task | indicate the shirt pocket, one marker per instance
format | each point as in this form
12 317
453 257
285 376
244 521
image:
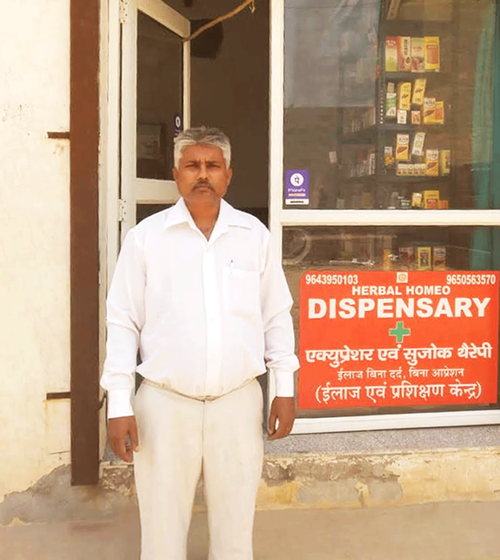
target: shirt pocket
241 291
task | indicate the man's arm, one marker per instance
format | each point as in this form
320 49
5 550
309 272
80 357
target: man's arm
125 318
276 303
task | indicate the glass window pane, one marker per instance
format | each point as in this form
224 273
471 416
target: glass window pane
159 97
391 104
416 309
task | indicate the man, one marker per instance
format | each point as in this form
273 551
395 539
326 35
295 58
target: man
199 291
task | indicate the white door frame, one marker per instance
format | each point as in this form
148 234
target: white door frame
133 189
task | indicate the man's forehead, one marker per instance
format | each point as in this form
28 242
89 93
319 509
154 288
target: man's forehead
198 152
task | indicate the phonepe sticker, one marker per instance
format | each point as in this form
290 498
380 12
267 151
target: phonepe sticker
297 186
177 124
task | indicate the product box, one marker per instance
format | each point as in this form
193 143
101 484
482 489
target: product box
391 54
402 169
402 147
402 116
439 112
417 54
445 162
430 200
423 258
389 160
386 259
416 200
404 96
439 258
416 117
443 204
407 257
404 54
420 169
371 163
432 163
429 116
417 148
419 92
391 105
432 55
391 87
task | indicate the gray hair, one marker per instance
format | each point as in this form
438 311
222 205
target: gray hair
202 136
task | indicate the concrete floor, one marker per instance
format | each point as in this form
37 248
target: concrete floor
444 531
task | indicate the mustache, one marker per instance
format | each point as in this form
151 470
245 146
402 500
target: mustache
203 184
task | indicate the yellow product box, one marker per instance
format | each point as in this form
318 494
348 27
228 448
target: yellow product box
429 110
391 54
402 116
430 200
445 162
439 112
419 92
417 148
423 258
432 55
416 200
416 117
402 147
404 54
439 258
404 96
432 163
389 156
417 54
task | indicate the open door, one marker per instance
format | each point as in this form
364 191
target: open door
155 106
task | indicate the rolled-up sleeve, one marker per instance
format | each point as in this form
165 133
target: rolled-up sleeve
125 319
276 302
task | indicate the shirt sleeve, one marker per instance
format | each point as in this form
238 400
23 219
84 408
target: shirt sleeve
125 319
276 302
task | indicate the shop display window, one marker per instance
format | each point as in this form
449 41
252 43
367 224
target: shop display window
391 104
393 320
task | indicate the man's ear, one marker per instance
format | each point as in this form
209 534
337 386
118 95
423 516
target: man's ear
175 173
229 175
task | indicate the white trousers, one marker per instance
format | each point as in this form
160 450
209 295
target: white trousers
178 437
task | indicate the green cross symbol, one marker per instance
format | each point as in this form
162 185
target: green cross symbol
399 332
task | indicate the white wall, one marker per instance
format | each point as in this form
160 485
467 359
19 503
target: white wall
34 240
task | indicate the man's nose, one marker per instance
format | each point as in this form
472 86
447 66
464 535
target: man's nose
203 171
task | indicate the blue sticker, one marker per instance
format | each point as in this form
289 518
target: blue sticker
177 124
297 186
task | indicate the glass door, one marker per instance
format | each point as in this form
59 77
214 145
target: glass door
155 106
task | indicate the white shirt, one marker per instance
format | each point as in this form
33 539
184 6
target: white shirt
206 315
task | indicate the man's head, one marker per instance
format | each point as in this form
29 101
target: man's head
202 158
202 136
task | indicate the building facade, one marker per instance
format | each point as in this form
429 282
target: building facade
366 135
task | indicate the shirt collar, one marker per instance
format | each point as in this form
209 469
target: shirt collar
228 216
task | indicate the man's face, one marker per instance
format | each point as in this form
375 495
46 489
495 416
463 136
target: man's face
202 175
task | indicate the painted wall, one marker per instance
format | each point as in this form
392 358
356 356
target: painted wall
34 240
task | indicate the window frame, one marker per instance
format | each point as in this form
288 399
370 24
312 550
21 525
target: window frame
280 217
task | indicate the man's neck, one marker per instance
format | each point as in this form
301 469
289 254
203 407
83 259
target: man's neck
204 216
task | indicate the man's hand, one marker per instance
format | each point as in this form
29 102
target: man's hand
283 411
123 438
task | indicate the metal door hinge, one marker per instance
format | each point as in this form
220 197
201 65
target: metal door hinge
124 11
122 210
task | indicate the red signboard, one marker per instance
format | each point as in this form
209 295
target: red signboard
398 338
